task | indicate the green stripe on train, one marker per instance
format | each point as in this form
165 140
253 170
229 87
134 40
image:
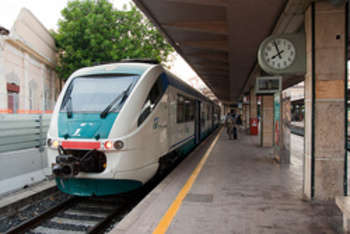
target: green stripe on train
97 187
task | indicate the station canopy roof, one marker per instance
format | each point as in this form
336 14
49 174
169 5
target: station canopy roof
220 38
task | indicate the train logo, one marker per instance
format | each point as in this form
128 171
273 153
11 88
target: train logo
155 123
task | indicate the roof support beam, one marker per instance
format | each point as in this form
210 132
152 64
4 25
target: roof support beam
219 77
216 27
216 80
213 73
202 2
202 71
208 63
222 57
221 45
213 67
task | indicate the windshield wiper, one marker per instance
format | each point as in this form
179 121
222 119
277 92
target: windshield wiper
67 102
123 95
69 108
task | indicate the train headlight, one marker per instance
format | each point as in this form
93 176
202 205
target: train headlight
118 145
53 143
108 145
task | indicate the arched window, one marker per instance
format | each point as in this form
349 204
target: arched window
12 97
12 91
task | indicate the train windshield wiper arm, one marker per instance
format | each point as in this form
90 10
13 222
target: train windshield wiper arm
105 112
67 102
69 107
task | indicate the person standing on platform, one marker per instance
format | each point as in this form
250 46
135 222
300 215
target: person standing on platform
230 123
235 126
239 121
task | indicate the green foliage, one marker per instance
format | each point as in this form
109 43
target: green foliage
91 32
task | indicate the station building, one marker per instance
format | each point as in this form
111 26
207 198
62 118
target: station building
28 81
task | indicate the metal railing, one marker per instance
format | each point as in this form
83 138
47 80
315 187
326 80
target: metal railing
23 131
296 130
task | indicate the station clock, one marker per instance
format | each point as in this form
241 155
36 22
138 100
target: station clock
283 55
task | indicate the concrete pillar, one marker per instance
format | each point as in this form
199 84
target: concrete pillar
252 112
286 119
245 116
324 101
267 121
281 130
252 104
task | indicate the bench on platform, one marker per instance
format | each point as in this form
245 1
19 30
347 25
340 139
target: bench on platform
344 205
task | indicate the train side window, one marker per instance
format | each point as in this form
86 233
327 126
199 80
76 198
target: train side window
151 101
185 109
180 110
208 112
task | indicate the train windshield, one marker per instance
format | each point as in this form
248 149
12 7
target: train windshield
93 94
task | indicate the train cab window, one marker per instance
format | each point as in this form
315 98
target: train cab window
152 100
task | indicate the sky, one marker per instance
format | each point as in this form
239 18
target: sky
48 13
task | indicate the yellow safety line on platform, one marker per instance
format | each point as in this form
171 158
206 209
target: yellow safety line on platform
164 223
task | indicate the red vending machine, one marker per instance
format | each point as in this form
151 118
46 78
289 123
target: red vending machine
254 122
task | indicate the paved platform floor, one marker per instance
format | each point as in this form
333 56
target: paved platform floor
240 189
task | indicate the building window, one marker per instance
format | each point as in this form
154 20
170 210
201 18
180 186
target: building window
12 97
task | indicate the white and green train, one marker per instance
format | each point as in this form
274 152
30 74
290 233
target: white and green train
113 124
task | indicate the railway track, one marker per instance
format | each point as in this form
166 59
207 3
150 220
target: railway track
78 215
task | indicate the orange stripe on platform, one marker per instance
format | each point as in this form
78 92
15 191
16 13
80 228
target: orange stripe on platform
165 222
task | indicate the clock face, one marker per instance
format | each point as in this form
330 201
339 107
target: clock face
279 53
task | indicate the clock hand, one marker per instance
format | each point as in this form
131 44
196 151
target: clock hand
278 51
278 54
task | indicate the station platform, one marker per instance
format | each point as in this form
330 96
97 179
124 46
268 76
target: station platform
238 189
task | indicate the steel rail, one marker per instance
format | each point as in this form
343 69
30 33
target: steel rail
27 225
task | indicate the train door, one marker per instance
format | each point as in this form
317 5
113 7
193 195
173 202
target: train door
197 121
172 125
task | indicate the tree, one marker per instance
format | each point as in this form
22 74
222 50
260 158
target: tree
92 32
